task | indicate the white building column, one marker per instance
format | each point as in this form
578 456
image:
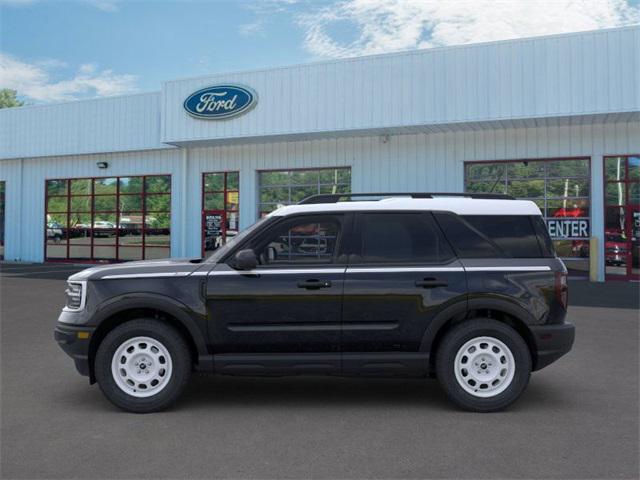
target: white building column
597 211
248 197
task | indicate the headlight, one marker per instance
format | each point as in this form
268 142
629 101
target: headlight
76 294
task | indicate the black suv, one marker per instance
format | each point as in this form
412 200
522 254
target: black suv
466 288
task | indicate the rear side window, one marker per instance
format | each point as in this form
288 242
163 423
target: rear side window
467 241
514 234
543 236
485 236
402 238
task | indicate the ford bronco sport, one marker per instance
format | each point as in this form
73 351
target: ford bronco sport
463 287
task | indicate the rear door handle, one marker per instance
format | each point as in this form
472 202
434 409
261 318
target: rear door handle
314 284
431 283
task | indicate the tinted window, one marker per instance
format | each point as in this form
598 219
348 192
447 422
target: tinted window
514 234
301 241
467 242
402 238
544 240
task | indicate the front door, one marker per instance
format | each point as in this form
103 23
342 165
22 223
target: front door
291 303
402 274
622 217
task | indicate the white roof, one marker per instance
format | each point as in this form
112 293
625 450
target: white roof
459 205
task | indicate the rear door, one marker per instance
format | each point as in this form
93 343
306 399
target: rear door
401 274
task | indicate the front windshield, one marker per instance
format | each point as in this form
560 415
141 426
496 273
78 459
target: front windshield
231 242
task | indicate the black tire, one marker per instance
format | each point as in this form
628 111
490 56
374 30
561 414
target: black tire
455 339
170 339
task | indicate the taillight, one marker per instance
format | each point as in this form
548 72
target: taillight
562 289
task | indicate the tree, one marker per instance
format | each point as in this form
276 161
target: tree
8 98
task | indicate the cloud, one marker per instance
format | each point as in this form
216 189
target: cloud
252 29
34 80
104 5
391 25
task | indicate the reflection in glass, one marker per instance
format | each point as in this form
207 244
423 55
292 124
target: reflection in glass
131 185
634 168
615 193
614 168
158 184
287 187
106 212
105 186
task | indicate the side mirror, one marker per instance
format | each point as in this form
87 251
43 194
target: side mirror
245 260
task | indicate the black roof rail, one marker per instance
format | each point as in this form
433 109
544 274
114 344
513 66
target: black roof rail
336 197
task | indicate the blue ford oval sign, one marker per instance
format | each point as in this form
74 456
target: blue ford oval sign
220 101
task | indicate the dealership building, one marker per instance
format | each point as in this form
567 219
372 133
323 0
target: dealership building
177 172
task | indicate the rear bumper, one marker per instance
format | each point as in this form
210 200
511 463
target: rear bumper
552 342
75 343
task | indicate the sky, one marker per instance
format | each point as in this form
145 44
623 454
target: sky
54 50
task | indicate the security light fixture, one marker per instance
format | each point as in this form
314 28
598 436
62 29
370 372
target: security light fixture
102 164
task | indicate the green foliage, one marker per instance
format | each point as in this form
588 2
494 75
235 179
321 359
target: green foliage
8 98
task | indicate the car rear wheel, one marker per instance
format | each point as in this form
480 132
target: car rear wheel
143 365
483 365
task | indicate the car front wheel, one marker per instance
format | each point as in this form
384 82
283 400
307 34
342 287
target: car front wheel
483 365
143 365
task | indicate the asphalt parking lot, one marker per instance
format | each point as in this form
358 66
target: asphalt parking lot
578 418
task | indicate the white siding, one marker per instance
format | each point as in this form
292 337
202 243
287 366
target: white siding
593 73
416 162
112 124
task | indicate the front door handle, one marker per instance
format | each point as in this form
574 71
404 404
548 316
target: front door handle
431 283
314 284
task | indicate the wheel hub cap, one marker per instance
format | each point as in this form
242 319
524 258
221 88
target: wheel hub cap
484 367
141 366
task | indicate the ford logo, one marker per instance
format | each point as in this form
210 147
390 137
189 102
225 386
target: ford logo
220 101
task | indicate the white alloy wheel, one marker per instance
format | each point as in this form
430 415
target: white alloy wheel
141 367
484 367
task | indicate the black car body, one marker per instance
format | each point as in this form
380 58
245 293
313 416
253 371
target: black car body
348 288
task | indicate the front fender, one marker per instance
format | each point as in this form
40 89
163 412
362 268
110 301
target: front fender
193 322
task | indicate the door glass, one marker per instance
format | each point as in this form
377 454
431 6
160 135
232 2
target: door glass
616 241
220 202
302 242
402 238
635 240
213 233
2 220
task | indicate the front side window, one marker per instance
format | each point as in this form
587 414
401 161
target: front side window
301 241
286 187
108 219
402 238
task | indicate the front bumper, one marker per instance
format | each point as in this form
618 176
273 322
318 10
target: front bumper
74 340
552 342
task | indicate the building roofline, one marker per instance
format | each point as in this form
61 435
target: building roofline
400 53
416 51
82 100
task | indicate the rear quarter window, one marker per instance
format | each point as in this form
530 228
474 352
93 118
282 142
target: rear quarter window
513 234
485 236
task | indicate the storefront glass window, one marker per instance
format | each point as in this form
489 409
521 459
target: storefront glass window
108 219
220 204
622 216
286 187
560 188
2 187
